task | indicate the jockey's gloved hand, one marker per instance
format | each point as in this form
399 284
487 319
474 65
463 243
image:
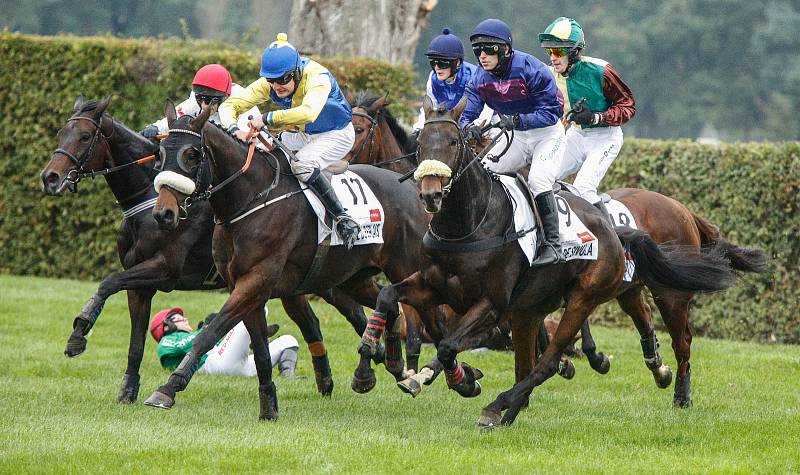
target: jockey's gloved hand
583 116
509 122
473 132
150 132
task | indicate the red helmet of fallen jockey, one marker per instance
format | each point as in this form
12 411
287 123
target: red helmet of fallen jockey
564 36
280 61
161 319
493 36
446 50
212 83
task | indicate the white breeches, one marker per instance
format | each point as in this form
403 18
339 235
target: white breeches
231 355
590 153
318 151
542 148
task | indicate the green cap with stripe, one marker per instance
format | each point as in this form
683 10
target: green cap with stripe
562 33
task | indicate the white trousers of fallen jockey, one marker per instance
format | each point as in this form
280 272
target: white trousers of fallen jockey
318 151
590 152
542 148
231 355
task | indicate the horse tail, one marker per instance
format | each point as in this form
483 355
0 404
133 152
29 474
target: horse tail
677 267
742 258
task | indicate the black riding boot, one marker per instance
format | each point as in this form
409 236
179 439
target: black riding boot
288 362
345 225
604 211
550 250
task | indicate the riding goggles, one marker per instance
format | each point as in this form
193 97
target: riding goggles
488 48
201 98
442 63
557 52
283 80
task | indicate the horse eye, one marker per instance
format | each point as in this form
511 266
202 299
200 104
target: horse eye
359 130
85 137
453 143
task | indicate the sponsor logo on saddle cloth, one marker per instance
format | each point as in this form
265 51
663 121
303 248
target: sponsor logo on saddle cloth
577 241
361 204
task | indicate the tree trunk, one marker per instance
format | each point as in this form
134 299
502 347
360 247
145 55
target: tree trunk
381 29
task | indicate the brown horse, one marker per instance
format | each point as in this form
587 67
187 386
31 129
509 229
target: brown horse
93 143
472 263
266 242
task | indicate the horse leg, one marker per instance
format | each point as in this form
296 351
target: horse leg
413 339
139 302
147 274
249 294
566 368
525 339
256 325
348 307
633 303
598 361
301 313
674 307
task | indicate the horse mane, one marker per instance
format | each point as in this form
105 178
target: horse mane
366 98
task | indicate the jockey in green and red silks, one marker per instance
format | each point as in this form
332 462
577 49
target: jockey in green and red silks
520 87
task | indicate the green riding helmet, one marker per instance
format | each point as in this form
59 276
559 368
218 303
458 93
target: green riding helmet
562 33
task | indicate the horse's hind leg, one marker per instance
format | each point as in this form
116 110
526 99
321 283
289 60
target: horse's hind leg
674 307
598 361
301 313
413 338
633 303
139 302
267 395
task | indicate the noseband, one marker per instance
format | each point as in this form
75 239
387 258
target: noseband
462 150
75 175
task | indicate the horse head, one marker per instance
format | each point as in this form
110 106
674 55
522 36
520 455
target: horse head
82 146
182 158
442 152
368 139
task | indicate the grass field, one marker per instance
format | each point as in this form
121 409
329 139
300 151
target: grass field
60 415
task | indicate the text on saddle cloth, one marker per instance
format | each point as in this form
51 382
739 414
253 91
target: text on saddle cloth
621 216
361 204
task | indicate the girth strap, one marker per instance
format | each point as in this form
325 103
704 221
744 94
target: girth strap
313 273
429 242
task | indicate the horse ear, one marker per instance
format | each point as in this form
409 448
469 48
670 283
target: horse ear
427 106
379 103
198 122
101 107
170 113
78 103
459 108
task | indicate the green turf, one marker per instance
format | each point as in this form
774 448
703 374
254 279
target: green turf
60 415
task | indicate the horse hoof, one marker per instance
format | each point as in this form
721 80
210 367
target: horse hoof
489 419
409 386
566 369
75 346
363 384
476 373
663 376
160 400
129 391
601 363
268 417
325 387
681 403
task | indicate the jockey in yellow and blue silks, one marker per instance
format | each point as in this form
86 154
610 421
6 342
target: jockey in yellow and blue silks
300 92
449 76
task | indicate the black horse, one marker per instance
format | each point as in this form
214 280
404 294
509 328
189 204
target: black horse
266 244
472 262
93 143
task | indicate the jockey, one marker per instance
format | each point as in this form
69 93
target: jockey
300 92
212 84
449 76
519 86
595 140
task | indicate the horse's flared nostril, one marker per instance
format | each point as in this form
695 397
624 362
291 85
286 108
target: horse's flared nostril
165 218
50 182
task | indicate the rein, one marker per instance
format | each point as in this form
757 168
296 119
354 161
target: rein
371 139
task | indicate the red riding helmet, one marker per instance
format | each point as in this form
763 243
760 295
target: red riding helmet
213 76
157 323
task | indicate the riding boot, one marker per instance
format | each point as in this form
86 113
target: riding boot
550 250
604 211
346 226
287 362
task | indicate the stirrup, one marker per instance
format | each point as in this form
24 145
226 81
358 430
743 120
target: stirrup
350 228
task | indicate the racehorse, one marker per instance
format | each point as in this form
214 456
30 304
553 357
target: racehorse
93 143
471 262
266 242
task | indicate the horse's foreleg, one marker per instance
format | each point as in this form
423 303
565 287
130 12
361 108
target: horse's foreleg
267 395
598 361
139 302
248 296
299 310
150 274
413 338
633 303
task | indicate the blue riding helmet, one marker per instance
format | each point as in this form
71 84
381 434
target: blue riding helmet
447 46
491 30
279 59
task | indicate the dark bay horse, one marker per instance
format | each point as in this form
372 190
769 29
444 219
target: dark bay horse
91 143
472 263
270 251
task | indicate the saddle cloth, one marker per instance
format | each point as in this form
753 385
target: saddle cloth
577 241
621 216
361 204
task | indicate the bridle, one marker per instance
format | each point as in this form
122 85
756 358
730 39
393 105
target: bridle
76 174
461 151
373 122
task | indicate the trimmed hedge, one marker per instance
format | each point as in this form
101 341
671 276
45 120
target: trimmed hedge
750 190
